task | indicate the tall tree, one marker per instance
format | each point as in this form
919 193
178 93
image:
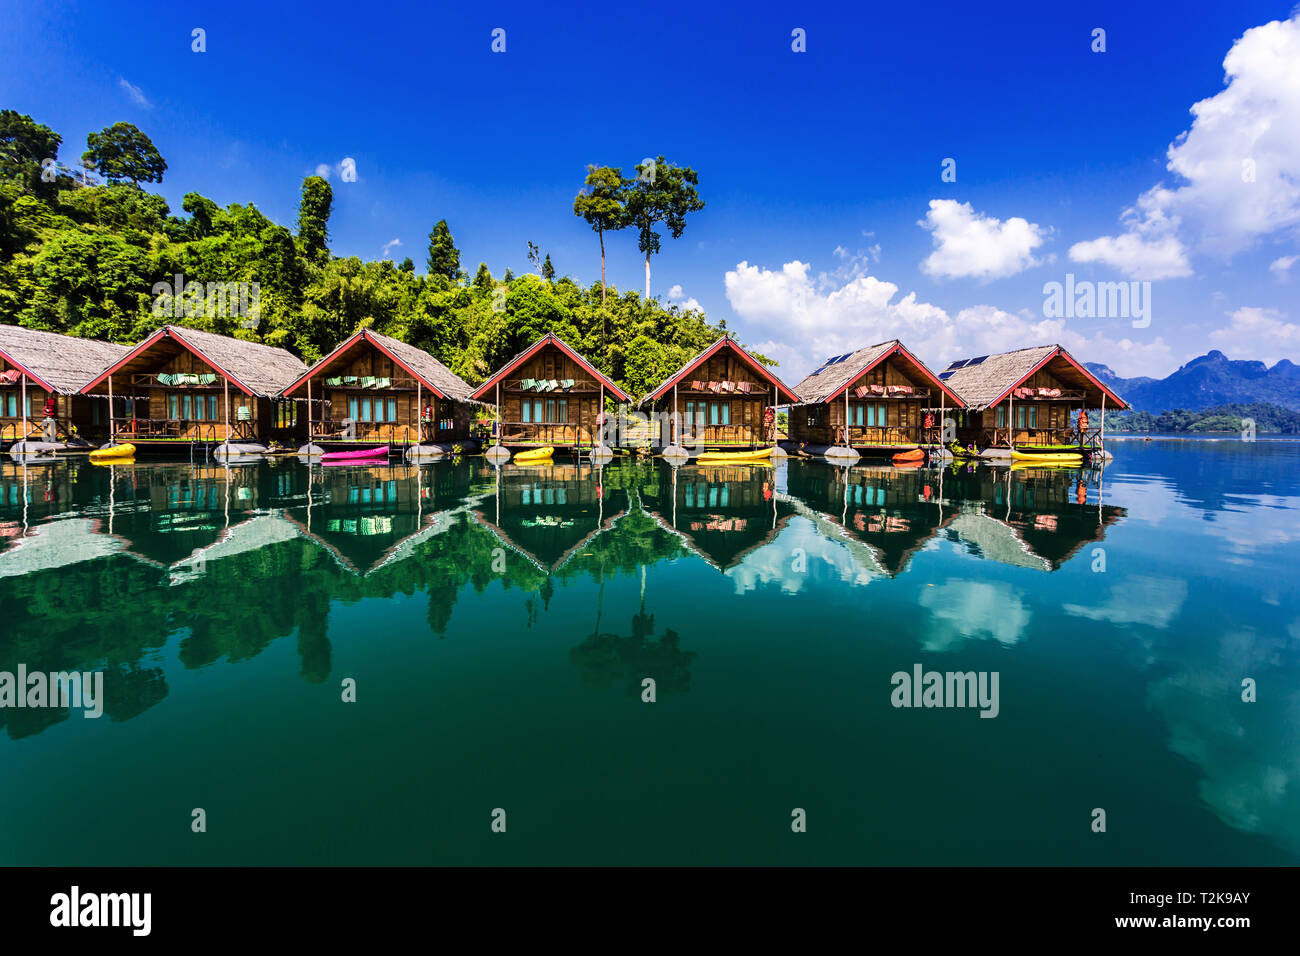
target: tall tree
444 257
314 216
601 202
122 152
24 145
661 193
548 270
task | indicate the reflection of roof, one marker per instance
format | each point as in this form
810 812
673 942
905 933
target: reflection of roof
503 536
57 544
862 553
259 531
996 540
696 542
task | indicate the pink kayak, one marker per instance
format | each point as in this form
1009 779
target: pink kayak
365 454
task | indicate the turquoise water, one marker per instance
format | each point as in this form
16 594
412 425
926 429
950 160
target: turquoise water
499 626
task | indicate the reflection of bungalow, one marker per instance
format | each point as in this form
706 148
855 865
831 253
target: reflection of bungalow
183 385
721 512
548 394
42 370
57 544
373 388
882 391
1027 397
1043 515
719 399
895 512
548 514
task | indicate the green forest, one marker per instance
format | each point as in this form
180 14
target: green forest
1268 419
82 246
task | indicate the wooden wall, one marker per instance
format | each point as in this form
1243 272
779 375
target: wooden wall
582 402
823 423
745 409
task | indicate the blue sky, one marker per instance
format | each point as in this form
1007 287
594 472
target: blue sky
818 168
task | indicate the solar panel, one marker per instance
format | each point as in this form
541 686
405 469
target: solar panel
976 361
841 358
960 363
945 375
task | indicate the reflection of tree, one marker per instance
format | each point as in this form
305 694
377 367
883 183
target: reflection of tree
130 690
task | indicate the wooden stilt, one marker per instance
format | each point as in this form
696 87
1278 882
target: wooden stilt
112 422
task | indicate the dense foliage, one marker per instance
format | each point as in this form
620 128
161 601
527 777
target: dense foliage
1222 418
83 258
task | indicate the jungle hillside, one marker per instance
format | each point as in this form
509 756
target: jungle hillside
84 243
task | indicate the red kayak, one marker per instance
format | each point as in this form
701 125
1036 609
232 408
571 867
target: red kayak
908 457
365 454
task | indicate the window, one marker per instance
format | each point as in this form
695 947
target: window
212 408
365 409
875 416
857 414
392 409
173 406
1002 416
1026 416
354 407
719 413
10 405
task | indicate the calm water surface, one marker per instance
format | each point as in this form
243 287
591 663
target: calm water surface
499 624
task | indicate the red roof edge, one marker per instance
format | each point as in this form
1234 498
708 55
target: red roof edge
366 335
172 332
925 370
28 372
726 342
1120 404
526 354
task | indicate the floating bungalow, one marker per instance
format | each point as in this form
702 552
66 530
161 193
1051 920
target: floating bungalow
549 395
374 390
182 387
1035 398
724 398
879 400
41 378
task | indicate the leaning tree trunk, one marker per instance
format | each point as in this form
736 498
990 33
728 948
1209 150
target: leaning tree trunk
601 233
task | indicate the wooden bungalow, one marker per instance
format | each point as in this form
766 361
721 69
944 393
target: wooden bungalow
184 386
1029 398
373 389
548 394
41 377
719 400
879 398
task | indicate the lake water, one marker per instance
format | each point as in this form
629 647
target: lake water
499 626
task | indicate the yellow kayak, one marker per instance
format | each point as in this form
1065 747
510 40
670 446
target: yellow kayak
534 455
741 456
113 452
1047 459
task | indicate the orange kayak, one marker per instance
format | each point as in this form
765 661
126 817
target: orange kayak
906 457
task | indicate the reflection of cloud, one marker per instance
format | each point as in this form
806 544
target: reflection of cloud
1138 599
778 564
964 610
1249 753
1251 523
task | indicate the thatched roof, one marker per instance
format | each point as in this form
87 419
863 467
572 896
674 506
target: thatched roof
839 371
255 369
782 393
419 363
59 363
484 391
985 380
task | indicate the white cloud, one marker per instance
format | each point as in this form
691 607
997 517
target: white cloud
677 298
1282 267
1136 256
390 245
323 171
971 244
809 319
1262 334
136 94
1238 167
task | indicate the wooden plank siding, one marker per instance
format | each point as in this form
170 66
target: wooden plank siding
73 414
724 418
568 415
388 414
822 423
1011 419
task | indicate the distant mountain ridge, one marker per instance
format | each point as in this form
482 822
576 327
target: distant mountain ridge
1211 380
